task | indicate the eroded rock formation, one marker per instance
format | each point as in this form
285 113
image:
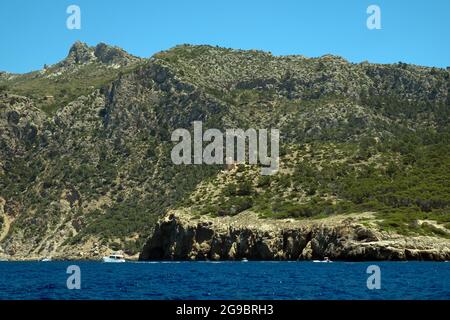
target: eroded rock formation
180 236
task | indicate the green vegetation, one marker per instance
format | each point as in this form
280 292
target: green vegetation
354 138
53 92
401 181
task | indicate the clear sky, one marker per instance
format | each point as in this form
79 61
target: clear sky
33 33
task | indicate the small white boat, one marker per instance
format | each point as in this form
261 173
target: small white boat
46 260
325 260
114 258
244 260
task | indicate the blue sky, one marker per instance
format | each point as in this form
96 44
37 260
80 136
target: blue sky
33 33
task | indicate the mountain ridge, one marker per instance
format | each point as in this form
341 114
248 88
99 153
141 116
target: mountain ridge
83 46
89 170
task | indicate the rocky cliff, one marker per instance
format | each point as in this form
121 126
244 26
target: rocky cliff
85 144
180 236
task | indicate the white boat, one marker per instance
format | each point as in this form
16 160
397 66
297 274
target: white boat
244 260
114 258
325 260
46 260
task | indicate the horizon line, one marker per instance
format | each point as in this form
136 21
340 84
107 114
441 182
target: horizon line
2 71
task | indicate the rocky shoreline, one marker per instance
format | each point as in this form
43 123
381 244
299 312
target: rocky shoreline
181 236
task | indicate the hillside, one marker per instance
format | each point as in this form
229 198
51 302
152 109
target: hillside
85 163
83 70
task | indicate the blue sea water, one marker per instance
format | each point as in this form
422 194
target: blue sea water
224 280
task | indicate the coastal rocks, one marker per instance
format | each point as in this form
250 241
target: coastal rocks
4 223
180 236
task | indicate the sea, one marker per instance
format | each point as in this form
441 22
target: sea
253 280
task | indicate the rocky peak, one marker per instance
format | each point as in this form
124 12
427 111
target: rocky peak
109 54
80 53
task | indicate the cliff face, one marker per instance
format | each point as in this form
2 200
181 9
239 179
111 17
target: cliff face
180 236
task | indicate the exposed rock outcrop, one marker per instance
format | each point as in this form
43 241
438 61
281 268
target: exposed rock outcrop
180 236
81 53
20 124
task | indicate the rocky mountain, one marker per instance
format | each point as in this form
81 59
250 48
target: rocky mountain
80 54
83 70
85 165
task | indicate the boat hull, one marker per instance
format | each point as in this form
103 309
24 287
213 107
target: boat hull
110 260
